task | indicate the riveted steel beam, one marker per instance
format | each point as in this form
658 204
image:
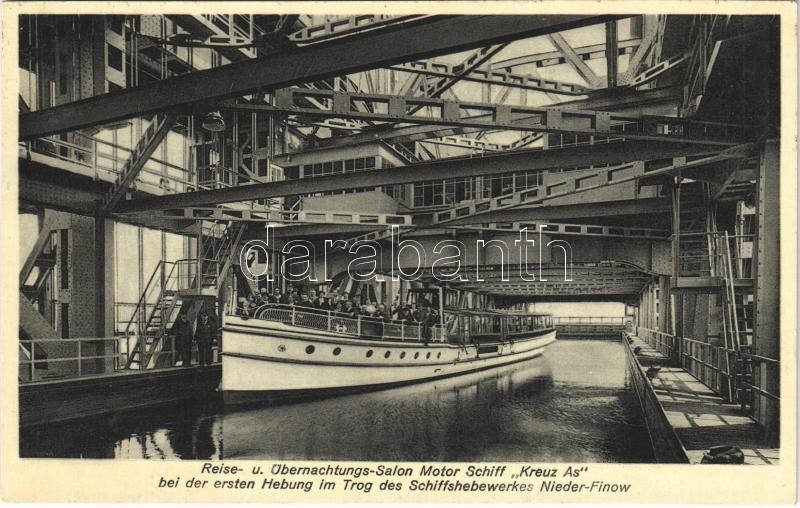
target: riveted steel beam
504 162
554 119
424 38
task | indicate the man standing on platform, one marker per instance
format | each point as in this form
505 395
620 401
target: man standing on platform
182 331
204 334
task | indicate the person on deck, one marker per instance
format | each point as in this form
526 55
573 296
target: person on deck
349 308
182 331
305 301
406 314
321 302
204 334
430 322
251 305
275 297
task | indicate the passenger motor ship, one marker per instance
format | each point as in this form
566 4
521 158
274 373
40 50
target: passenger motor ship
284 350
287 350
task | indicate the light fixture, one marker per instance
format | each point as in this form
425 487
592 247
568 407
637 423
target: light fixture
214 122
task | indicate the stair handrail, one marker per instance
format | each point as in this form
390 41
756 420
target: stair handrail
142 300
144 323
234 241
160 299
142 303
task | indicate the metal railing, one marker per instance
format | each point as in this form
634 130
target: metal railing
360 326
662 342
107 158
762 367
84 357
719 368
69 358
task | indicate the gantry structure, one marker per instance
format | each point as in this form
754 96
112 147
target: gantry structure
153 147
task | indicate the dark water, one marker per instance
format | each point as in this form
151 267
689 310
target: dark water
573 404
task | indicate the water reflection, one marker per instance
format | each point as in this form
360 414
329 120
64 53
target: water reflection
573 404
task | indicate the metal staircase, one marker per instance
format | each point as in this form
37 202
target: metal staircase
154 315
153 136
218 253
400 151
182 285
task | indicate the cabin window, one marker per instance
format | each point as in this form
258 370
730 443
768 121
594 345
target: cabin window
402 355
438 355
310 349
387 354
336 351
416 355
369 353
428 356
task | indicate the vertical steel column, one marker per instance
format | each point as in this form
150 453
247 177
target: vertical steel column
767 284
611 53
664 300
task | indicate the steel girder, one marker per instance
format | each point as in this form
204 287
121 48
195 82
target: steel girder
556 58
544 213
627 100
569 229
572 184
425 38
494 77
508 162
554 119
575 61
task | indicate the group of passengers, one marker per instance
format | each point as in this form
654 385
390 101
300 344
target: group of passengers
342 304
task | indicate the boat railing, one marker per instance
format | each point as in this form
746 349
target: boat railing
362 326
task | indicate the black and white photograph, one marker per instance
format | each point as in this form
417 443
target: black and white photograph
395 244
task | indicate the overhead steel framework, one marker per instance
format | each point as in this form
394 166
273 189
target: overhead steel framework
394 108
423 38
634 100
493 77
504 162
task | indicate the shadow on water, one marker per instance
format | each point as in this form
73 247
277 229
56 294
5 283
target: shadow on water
574 404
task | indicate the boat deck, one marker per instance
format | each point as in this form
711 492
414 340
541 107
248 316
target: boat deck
700 417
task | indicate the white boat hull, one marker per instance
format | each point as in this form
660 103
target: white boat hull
266 358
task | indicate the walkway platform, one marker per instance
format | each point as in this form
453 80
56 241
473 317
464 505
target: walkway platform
59 400
700 418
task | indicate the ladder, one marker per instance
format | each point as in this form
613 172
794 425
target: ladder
694 228
737 323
